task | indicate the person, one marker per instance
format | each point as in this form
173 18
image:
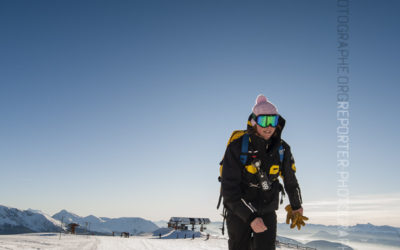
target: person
251 191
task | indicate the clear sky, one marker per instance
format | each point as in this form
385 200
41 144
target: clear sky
124 108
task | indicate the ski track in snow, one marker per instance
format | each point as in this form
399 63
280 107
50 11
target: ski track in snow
72 242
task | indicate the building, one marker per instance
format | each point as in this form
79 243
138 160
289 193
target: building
182 223
72 227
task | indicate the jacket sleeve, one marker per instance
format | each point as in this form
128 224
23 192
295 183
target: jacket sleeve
231 184
289 179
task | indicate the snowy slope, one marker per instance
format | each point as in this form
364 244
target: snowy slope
161 223
168 233
85 242
51 241
32 220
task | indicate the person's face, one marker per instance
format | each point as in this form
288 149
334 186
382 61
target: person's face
265 133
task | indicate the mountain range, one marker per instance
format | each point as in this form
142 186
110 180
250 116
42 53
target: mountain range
13 221
362 233
133 225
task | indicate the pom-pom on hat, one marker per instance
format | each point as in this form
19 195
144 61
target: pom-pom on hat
263 107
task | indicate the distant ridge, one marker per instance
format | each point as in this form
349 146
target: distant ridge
133 225
14 221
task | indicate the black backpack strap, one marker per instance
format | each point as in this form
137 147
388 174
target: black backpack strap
243 159
219 200
224 212
281 155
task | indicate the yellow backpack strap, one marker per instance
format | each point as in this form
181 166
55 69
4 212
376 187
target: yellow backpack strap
235 135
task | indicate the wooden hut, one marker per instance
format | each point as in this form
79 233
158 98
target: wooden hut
72 227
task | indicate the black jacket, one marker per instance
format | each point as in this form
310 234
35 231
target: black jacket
240 188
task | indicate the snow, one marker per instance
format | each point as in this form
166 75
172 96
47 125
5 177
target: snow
84 242
175 234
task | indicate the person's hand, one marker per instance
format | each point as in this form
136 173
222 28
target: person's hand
258 225
299 218
296 217
300 210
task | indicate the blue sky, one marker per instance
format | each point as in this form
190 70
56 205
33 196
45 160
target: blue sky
123 108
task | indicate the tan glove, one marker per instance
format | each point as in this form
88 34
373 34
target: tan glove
289 215
296 217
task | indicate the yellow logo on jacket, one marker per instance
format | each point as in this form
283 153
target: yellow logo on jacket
274 169
251 169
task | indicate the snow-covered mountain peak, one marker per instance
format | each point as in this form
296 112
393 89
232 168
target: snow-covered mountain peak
93 219
27 220
64 213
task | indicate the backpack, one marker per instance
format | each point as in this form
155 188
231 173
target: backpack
243 158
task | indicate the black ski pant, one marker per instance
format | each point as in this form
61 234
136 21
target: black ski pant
242 237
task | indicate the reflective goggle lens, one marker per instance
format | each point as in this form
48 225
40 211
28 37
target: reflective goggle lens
267 120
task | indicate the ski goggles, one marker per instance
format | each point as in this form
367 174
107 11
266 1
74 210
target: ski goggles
266 120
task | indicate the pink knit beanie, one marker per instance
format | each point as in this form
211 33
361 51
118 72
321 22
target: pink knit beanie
263 107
